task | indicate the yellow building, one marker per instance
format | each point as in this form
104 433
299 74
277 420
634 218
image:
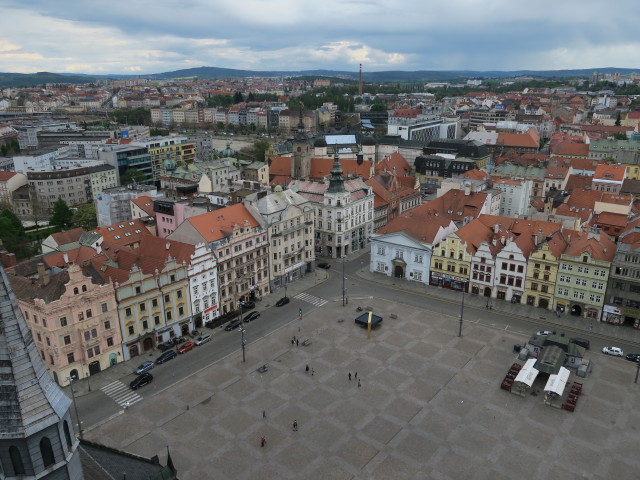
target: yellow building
164 151
451 263
542 271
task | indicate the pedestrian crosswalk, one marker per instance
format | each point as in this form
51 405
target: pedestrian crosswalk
121 394
318 302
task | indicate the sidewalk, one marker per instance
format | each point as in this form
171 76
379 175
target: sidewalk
546 318
105 377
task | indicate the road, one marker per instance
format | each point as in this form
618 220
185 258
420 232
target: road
98 406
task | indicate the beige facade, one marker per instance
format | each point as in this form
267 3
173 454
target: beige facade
77 334
153 307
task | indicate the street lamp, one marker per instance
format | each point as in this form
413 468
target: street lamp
244 359
461 309
344 291
75 406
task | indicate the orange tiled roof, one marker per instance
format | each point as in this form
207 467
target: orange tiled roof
395 160
600 247
321 167
124 233
69 236
614 173
219 224
578 182
4 176
421 223
280 166
144 203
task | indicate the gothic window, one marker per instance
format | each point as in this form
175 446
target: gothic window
47 452
16 460
76 291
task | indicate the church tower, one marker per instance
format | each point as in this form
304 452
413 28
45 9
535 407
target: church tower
301 152
36 430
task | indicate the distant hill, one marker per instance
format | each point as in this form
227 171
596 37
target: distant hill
40 78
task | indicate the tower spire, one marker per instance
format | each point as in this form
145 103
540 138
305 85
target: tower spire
336 182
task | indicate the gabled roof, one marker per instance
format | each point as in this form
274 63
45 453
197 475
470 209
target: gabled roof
611 173
144 203
5 176
599 246
392 162
128 232
68 236
420 223
321 167
219 224
457 206
280 166
575 182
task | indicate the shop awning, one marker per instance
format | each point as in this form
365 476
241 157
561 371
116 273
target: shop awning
557 382
527 374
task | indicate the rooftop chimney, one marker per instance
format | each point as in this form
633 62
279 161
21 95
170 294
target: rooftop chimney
43 275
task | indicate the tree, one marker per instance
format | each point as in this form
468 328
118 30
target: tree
61 215
85 217
131 175
260 146
237 97
378 107
620 136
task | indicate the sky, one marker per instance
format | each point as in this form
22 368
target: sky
154 36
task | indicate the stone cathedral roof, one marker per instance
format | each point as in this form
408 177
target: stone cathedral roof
30 400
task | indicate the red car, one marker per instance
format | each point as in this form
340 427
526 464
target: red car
185 347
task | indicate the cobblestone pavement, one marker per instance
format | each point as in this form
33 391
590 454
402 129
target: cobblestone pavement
429 405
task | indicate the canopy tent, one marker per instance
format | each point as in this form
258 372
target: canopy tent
363 320
556 383
527 374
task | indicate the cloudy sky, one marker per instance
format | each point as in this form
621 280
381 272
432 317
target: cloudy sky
151 36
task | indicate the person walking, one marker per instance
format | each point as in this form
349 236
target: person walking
263 441
359 384
295 425
306 369
264 414
349 376
356 375
297 342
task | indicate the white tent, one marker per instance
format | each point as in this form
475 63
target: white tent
527 374
556 383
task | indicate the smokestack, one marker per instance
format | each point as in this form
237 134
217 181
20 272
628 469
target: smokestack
360 82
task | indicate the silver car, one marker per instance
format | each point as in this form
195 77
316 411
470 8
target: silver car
202 339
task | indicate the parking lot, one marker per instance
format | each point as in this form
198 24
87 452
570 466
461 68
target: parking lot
429 406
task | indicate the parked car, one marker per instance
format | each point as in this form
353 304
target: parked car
544 333
633 357
251 317
185 347
141 381
166 356
144 367
164 346
324 265
282 301
583 342
233 325
247 305
615 351
202 339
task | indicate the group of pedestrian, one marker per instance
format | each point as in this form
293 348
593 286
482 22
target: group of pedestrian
306 369
295 341
355 376
263 439
489 306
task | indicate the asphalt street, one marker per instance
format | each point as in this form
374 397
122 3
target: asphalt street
99 402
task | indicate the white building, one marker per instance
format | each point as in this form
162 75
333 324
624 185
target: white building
515 196
344 212
203 285
288 217
510 271
403 247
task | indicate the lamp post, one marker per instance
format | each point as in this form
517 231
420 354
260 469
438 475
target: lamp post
343 287
462 309
242 330
75 406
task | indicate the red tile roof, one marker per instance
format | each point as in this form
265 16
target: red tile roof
129 232
68 236
145 203
613 173
421 223
219 224
394 161
4 176
280 166
321 167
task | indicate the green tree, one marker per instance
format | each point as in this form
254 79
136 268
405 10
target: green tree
260 146
131 175
620 136
378 107
237 97
12 233
61 214
85 217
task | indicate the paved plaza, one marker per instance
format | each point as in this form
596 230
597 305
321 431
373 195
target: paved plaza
429 406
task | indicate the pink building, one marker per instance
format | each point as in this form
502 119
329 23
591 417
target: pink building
72 315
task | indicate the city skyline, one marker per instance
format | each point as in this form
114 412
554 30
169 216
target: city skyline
151 37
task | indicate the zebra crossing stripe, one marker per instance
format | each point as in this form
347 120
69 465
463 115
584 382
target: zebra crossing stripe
121 394
318 302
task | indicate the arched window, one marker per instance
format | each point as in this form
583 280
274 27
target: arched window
84 288
16 460
47 452
67 434
75 291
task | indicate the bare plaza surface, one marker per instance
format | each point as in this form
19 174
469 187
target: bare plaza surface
429 406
